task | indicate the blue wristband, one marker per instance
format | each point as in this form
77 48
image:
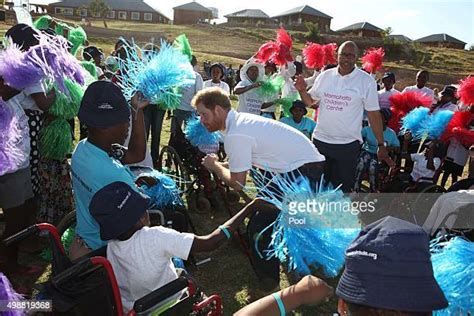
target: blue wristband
225 231
281 306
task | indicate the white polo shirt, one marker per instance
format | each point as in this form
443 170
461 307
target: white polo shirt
425 90
384 97
255 141
343 100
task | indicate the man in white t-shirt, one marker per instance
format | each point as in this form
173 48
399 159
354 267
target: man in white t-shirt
388 90
250 100
445 103
343 93
422 78
217 73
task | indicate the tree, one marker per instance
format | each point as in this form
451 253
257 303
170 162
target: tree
312 31
385 33
98 8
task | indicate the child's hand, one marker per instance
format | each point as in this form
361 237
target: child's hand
210 161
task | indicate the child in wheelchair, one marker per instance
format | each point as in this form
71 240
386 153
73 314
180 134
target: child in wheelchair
141 256
368 160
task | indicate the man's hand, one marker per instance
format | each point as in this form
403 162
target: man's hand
210 161
139 102
382 155
300 84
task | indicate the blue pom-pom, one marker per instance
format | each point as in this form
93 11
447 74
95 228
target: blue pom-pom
413 121
453 267
435 127
159 76
328 229
198 135
164 193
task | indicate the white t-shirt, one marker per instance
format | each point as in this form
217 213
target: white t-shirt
457 152
148 161
343 100
384 97
425 90
188 93
21 141
420 169
28 103
250 101
255 141
446 107
223 85
143 263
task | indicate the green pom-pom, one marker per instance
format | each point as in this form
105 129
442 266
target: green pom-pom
77 36
286 103
66 240
43 22
56 140
60 27
90 67
67 106
181 43
271 86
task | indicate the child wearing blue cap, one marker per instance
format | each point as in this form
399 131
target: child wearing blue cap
299 120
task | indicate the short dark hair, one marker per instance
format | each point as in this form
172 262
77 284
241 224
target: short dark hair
362 310
212 97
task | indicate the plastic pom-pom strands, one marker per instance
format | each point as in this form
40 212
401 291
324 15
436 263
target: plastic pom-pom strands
278 52
316 56
466 91
198 135
164 193
372 60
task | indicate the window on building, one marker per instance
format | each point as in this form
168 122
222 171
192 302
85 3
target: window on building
148 17
111 15
83 12
96 14
122 15
135 16
64 11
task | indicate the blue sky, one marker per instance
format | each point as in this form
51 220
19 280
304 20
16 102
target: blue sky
415 18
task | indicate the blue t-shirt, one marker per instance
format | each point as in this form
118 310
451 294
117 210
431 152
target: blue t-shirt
370 142
92 169
306 126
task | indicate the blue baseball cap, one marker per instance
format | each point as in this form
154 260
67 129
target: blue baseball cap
388 266
117 207
103 106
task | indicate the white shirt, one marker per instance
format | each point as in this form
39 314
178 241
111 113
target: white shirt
223 85
250 101
255 141
21 140
143 263
420 169
457 152
343 100
28 103
446 107
425 90
384 97
188 93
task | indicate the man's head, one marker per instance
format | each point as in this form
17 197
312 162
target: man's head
119 209
422 78
217 72
388 80
347 56
212 105
298 110
94 53
23 35
448 94
388 269
105 112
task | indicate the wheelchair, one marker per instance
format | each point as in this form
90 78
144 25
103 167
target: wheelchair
87 286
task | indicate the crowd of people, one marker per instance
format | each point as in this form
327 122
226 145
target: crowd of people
347 137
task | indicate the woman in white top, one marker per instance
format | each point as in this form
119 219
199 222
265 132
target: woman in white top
217 73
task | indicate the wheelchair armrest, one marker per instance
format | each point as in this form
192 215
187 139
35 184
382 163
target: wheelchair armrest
80 267
21 235
148 301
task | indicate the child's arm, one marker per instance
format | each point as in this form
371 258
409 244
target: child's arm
241 90
212 241
310 290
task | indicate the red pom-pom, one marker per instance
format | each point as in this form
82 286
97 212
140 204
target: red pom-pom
464 136
373 59
466 91
402 103
278 52
330 53
314 55
457 128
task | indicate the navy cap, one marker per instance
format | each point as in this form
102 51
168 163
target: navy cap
117 208
389 75
103 106
92 51
449 91
300 105
388 266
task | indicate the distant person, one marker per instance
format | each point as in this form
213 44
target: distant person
95 54
388 90
422 78
447 100
216 72
299 120
237 76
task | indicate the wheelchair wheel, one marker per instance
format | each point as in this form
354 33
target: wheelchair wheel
68 221
171 164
